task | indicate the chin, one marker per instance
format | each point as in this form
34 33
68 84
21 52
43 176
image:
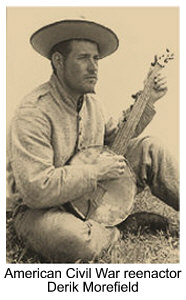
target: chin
89 90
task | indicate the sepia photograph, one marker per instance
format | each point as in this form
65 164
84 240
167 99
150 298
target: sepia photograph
92 130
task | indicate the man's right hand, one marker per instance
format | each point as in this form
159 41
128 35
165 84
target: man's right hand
110 167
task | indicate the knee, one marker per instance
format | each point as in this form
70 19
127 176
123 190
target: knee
154 148
69 239
85 240
88 239
153 142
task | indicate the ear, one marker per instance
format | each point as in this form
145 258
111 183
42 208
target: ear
57 60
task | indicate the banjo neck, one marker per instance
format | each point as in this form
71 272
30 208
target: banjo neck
127 129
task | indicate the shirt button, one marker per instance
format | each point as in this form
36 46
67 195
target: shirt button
79 132
79 118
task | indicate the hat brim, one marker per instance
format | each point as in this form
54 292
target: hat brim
47 37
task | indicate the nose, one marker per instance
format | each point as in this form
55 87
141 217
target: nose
92 65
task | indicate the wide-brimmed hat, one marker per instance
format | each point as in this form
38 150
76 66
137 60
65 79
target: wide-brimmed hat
44 39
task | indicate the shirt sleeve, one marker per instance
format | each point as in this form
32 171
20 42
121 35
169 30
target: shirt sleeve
39 183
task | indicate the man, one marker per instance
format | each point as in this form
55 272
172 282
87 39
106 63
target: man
53 123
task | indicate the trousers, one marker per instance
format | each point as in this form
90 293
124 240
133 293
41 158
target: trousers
61 237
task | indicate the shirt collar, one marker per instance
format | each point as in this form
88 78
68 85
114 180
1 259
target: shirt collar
63 95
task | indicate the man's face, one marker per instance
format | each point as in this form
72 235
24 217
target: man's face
80 67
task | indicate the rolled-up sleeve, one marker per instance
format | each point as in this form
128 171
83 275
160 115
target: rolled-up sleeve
40 184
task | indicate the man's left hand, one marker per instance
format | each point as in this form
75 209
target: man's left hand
159 87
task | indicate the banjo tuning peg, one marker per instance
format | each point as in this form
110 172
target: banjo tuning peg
155 61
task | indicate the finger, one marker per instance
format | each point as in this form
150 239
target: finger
161 90
160 79
161 86
113 158
121 172
160 74
122 161
120 157
117 157
119 165
155 60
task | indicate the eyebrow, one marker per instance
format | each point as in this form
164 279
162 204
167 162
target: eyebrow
87 55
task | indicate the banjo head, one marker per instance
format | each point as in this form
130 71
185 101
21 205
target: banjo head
117 201
118 198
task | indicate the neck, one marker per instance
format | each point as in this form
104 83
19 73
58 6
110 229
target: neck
74 96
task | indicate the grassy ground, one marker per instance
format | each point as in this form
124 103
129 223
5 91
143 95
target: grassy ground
131 248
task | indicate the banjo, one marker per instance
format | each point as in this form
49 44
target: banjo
99 205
